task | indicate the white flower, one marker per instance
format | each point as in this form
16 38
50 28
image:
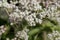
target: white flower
23 2
17 10
32 23
2 26
58 38
14 17
22 34
37 7
29 18
7 39
26 30
5 4
34 15
36 20
16 14
50 36
11 23
27 12
54 35
2 29
14 38
39 21
58 20
34 2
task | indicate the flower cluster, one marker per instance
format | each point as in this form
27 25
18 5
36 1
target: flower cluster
22 34
54 36
2 29
30 10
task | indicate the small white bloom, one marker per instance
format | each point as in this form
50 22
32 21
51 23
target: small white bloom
7 39
3 30
11 23
2 26
40 21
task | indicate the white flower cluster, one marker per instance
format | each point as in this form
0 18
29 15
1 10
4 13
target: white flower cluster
3 3
2 29
28 10
17 15
54 36
22 34
7 39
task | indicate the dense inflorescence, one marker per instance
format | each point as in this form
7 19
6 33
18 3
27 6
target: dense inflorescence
54 36
30 11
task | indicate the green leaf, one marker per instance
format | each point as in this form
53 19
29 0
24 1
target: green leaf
34 31
47 24
47 29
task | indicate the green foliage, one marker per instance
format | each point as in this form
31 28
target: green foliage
3 22
34 31
47 25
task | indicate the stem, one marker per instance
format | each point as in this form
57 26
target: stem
44 35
